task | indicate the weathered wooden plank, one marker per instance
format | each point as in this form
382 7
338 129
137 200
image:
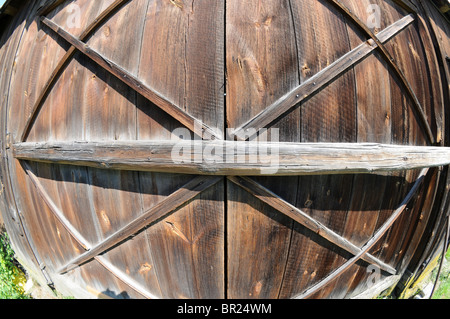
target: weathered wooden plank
109 112
290 158
188 248
321 79
437 81
56 211
423 121
168 205
136 84
184 62
63 63
302 218
406 5
262 64
377 236
327 116
373 103
48 6
79 237
18 230
421 214
439 31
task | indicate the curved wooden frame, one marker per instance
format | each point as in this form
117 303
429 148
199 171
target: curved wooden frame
357 158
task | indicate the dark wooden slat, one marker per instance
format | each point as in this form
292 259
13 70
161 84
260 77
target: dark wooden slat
19 231
380 232
444 251
296 214
64 62
288 159
54 209
166 206
428 24
321 79
126 77
390 60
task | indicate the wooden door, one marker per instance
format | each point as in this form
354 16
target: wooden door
107 101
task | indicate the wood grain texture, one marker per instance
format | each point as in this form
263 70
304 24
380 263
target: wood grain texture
377 236
319 80
297 215
19 233
92 111
262 65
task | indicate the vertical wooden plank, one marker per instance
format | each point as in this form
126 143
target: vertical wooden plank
440 31
74 16
312 258
183 62
112 114
399 186
54 245
436 80
96 109
328 116
99 107
373 123
68 188
258 243
22 244
421 218
262 65
101 284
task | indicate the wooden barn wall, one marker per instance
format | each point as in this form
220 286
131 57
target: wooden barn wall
13 216
222 62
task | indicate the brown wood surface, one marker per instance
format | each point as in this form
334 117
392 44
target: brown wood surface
92 196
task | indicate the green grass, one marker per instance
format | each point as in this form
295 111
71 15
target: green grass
11 277
443 289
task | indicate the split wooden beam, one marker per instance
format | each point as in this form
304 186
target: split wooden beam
272 199
134 83
223 158
317 82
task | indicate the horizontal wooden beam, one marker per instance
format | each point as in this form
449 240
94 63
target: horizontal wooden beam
319 80
235 157
133 82
304 219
